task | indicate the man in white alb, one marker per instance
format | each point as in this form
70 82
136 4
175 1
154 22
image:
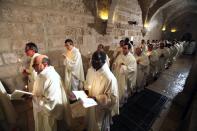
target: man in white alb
125 70
31 50
51 107
102 86
74 73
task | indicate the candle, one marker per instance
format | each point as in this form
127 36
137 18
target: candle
19 60
148 53
25 86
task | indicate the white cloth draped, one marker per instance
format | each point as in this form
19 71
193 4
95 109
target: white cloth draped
126 74
32 73
50 101
154 59
103 85
143 68
73 69
163 57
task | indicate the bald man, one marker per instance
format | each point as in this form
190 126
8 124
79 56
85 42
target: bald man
49 98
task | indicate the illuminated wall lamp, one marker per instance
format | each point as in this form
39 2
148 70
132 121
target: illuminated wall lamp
173 30
164 28
103 14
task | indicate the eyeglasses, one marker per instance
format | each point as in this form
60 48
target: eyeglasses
35 64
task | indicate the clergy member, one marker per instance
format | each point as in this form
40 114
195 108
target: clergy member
143 46
125 70
142 68
163 56
74 74
154 59
116 53
50 102
101 48
31 50
102 86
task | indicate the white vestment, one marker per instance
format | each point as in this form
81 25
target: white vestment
144 48
172 53
74 73
126 74
103 85
168 53
154 59
178 51
50 101
163 57
32 73
143 68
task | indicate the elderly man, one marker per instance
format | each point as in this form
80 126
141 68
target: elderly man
49 98
142 68
102 86
125 70
74 74
31 50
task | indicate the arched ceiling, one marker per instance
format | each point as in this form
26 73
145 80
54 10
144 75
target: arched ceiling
170 9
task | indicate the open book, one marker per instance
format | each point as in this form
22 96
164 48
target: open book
18 95
87 102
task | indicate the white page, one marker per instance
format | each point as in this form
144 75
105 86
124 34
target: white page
88 102
80 94
2 89
17 94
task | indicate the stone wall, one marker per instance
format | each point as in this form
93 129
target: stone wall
119 28
155 27
49 22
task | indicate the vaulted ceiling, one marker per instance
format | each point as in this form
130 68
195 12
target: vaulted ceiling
171 9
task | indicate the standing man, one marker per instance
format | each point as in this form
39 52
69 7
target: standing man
74 74
101 48
50 102
154 59
142 68
102 86
125 70
31 50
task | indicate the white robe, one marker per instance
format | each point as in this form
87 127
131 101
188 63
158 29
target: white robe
172 54
74 73
32 73
178 50
143 47
126 74
154 59
163 57
103 85
143 68
50 101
